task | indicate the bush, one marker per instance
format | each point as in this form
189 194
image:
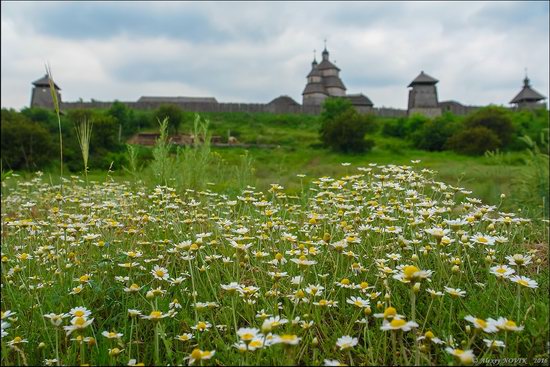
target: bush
396 128
25 143
174 115
432 135
343 129
528 123
124 116
496 119
474 141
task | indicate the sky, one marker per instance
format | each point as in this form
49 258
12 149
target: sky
256 51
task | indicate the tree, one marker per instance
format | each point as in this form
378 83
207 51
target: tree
432 135
343 129
174 115
25 143
496 119
474 141
121 113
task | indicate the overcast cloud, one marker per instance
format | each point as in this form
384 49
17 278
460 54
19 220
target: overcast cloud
254 52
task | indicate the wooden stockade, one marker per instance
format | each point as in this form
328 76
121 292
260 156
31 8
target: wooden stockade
149 139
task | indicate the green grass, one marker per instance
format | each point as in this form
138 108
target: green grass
51 241
214 216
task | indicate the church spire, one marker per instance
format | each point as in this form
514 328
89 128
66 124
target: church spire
325 52
314 63
526 81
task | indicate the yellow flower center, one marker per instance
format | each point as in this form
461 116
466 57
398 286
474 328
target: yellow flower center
278 256
323 302
523 282
256 343
510 324
481 323
409 271
345 281
459 351
429 335
390 311
196 354
159 273
17 339
79 313
155 314
288 337
84 278
247 336
300 294
80 321
201 325
397 323
364 285
482 240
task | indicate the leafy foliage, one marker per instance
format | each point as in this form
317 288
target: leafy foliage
343 129
474 141
25 143
496 119
432 135
173 113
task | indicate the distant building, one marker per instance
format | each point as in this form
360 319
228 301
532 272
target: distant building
177 100
456 108
423 96
283 103
41 95
323 81
361 102
528 98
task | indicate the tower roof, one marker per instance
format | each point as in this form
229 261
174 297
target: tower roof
284 101
423 78
359 99
314 72
44 82
325 64
333 81
527 94
314 88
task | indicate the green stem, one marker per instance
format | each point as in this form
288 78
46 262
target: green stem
394 347
427 314
157 347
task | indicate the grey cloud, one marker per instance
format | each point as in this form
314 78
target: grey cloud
256 51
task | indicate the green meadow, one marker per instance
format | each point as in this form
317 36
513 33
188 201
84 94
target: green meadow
280 253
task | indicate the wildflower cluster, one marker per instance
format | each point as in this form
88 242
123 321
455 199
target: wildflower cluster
384 266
